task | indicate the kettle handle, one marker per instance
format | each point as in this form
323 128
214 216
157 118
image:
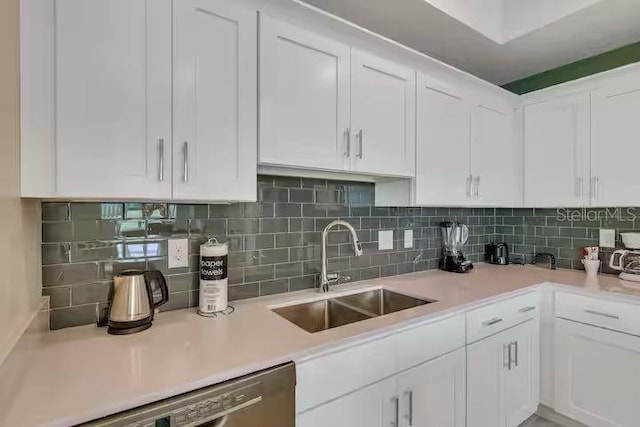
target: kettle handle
150 276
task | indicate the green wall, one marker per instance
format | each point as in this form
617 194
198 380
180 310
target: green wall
585 67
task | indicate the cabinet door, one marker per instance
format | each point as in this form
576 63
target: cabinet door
433 394
304 98
615 143
503 377
487 367
442 144
382 116
522 382
372 406
556 152
494 159
597 375
215 98
113 98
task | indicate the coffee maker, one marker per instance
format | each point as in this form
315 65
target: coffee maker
454 236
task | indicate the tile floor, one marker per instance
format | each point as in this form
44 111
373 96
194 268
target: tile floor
536 421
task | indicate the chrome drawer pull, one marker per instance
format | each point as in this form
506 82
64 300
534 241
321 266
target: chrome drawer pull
396 419
526 309
161 159
506 349
492 321
599 313
347 148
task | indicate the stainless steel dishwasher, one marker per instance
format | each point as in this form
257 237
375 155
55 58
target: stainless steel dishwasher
262 399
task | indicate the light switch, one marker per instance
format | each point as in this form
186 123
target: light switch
408 239
385 240
607 238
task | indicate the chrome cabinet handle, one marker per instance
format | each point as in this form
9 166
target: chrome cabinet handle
469 180
185 153
359 154
526 309
395 422
599 313
492 321
506 355
477 186
576 187
409 415
347 147
515 344
581 190
161 160
595 183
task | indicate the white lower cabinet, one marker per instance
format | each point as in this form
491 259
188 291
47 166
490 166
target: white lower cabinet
367 407
431 394
503 377
597 375
434 394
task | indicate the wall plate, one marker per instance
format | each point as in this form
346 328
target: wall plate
385 240
178 253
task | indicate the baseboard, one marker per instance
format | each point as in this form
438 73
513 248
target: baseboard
551 415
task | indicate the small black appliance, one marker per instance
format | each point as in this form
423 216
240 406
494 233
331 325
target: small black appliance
496 253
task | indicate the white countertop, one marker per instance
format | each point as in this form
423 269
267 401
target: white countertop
79 374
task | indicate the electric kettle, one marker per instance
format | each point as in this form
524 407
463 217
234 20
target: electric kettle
133 303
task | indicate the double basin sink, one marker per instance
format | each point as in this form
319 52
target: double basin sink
342 310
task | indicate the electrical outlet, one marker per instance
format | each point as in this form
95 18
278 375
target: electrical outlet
408 239
607 238
178 253
385 240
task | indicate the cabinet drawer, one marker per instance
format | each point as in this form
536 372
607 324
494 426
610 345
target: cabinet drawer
614 315
493 318
326 377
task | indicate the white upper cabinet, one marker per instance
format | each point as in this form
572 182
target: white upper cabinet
113 98
383 116
466 147
442 144
556 152
494 161
152 101
327 106
215 96
304 98
615 143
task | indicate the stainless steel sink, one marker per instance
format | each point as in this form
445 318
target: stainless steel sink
381 301
330 313
320 315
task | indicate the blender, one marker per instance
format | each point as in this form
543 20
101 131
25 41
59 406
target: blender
454 236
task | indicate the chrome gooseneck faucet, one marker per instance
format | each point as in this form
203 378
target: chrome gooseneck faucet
327 279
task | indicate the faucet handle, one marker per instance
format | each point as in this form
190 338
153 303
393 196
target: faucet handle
332 278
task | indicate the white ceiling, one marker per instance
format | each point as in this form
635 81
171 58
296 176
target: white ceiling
498 40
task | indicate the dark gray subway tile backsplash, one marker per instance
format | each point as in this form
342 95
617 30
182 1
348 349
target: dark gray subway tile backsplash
274 243
562 232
